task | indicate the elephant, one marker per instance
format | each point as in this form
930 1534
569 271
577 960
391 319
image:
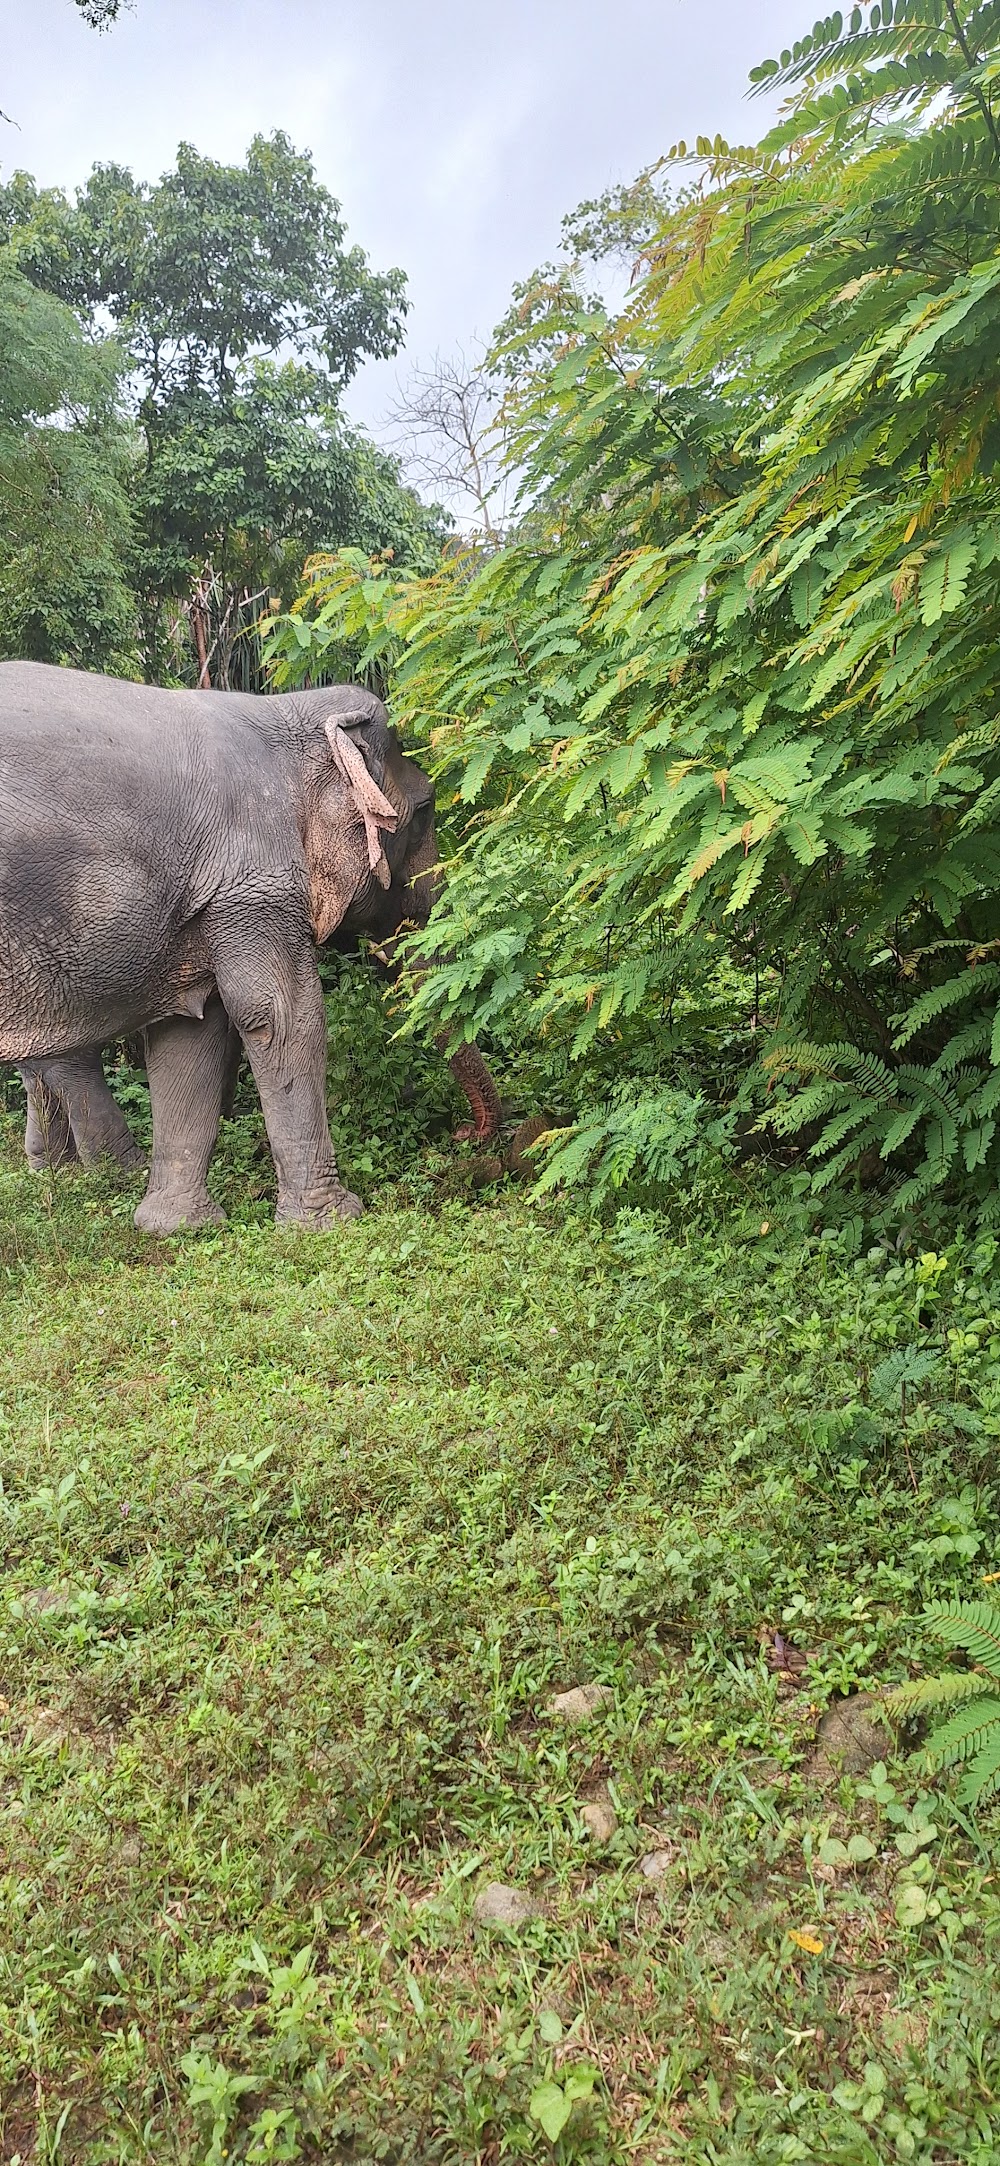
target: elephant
73 1115
167 861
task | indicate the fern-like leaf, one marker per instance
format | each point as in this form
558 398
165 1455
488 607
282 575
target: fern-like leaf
965 1733
926 1692
972 1625
982 1776
970 1737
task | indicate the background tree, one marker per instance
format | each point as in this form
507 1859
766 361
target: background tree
446 429
242 315
66 462
100 14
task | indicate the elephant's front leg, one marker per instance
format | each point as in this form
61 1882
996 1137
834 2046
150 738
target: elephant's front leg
186 1062
283 1027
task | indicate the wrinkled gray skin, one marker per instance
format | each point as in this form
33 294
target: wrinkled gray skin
73 1114
167 860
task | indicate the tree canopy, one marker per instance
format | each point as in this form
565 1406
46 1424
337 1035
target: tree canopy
210 264
239 313
720 722
65 464
100 14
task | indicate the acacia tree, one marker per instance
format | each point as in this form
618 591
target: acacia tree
732 692
243 314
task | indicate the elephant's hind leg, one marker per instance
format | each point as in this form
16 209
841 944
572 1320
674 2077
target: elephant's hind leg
186 1062
99 1127
48 1137
72 1114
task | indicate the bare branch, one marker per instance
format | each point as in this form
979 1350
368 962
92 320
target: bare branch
447 434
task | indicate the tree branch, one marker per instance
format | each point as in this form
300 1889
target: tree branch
971 61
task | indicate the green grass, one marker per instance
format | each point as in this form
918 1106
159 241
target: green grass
301 1533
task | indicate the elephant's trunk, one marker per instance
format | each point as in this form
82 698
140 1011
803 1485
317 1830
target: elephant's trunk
465 1061
470 1071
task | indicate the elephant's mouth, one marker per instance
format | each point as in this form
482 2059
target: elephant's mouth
385 918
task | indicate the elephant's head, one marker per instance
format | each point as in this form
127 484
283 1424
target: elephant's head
371 847
370 840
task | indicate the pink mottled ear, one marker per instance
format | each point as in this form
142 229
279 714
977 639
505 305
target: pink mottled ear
371 802
338 861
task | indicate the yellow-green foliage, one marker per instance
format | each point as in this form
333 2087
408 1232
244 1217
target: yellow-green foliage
736 678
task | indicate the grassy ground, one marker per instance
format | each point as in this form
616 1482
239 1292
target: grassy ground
302 1533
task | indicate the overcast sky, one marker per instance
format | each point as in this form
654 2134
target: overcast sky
456 134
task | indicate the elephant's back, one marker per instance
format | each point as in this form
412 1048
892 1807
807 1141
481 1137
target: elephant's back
74 713
78 749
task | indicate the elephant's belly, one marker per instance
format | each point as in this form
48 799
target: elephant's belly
54 1003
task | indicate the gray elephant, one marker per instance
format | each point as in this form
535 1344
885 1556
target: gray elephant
167 860
73 1115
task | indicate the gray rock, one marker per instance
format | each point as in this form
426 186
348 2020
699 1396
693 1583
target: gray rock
581 1704
600 1820
497 1905
851 1737
656 1863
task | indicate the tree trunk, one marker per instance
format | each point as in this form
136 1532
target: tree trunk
198 614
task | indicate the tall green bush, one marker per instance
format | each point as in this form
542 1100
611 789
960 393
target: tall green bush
730 698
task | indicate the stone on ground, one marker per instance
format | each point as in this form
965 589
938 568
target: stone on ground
852 1736
497 1905
600 1820
580 1704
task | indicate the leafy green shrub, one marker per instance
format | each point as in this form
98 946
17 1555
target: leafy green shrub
645 1139
388 1095
731 690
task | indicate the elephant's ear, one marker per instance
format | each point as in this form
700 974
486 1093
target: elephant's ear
371 803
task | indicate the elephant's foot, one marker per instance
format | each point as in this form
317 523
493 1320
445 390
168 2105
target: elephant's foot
334 1204
131 1160
50 1161
163 1212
